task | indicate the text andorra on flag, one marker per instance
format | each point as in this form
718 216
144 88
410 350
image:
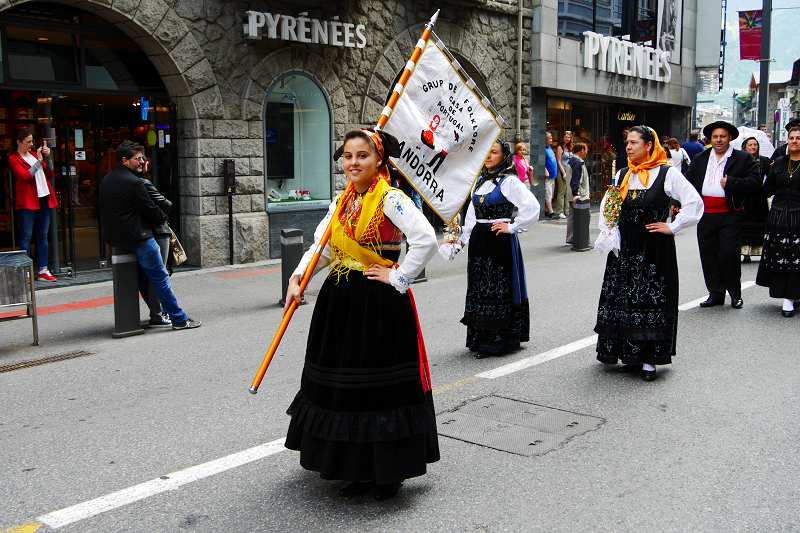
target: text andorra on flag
445 132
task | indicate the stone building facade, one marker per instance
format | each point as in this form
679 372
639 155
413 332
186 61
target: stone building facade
221 80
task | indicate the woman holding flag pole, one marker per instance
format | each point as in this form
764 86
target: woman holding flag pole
364 413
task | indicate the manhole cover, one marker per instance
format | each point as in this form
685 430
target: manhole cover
514 426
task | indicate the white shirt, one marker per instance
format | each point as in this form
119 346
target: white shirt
39 177
715 171
516 193
402 212
677 187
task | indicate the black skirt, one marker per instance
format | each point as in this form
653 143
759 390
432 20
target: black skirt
362 412
779 268
496 312
637 317
756 211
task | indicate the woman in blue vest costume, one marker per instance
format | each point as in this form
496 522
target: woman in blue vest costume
496 312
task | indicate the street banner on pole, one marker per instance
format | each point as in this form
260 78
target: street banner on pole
750 35
446 129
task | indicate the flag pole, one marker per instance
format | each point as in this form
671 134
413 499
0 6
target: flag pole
287 316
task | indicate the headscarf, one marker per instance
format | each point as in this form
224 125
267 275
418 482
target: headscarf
657 159
385 144
503 168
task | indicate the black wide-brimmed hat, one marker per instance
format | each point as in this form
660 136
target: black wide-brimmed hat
791 124
721 124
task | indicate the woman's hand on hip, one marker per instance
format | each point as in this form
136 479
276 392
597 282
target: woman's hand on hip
659 227
500 227
293 293
379 273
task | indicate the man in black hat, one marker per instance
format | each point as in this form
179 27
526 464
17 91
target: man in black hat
723 176
781 150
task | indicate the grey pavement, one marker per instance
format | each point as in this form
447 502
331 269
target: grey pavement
710 446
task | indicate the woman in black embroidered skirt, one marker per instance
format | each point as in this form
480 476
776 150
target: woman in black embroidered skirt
756 208
779 268
637 317
364 413
496 312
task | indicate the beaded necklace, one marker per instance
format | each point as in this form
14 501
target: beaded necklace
351 212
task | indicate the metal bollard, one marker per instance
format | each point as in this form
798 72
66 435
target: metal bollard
291 254
580 240
126 294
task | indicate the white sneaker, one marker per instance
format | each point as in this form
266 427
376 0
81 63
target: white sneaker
562 215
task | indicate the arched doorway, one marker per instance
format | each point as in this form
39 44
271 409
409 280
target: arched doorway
82 86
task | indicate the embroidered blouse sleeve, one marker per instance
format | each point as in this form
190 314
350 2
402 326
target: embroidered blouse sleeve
469 222
325 256
526 202
678 187
422 245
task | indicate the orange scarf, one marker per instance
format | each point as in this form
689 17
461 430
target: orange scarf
657 158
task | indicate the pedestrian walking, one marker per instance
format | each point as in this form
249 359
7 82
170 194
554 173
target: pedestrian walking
756 207
680 159
563 153
779 268
496 311
128 213
637 317
724 177
32 172
364 413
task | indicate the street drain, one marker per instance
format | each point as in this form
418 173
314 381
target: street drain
514 426
36 362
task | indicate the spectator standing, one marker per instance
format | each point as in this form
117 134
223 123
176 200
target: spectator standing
550 173
693 146
563 153
127 213
579 185
162 234
622 154
680 159
524 169
35 197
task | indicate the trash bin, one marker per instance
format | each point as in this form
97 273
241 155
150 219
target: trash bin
126 294
16 287
581 226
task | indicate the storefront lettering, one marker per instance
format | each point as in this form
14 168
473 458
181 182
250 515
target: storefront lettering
622 88
304 30
626 115
624 57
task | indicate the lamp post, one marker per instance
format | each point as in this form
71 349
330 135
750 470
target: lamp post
763 85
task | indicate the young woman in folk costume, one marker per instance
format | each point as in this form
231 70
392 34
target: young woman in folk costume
496 311
364 413
637 317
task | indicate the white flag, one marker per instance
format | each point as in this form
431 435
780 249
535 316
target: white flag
445 132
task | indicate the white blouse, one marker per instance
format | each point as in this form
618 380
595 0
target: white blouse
402 212
677 187
516 193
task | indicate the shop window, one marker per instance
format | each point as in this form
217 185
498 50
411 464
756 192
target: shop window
601 16
42 55
297 143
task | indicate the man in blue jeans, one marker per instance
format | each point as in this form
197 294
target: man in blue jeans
127 213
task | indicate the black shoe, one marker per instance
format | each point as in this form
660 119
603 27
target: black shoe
483 355
354 488
630 369
737 303
746 259
712 302
787 314
649 375
568 243
384 492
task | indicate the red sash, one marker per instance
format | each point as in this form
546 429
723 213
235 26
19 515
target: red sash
714 204
424 371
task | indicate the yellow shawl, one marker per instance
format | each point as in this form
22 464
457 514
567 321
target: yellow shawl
657 159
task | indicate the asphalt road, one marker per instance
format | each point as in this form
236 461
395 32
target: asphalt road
712 445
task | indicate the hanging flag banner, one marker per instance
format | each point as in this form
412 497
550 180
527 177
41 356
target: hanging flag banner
446 129
750 35
647 30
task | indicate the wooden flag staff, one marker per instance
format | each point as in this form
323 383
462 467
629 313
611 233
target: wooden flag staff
287 316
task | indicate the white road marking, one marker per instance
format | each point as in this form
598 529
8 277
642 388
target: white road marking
117 499
555 353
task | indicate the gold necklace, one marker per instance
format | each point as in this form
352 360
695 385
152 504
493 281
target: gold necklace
791 172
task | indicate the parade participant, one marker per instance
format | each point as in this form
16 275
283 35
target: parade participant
563 153
496 312
756 208
779 268
780 151
637 318
35 197
724 177
364 413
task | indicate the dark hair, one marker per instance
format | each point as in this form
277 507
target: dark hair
694 136
22 134
126 149
744 144
579 147
646 134
794 128
391 146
